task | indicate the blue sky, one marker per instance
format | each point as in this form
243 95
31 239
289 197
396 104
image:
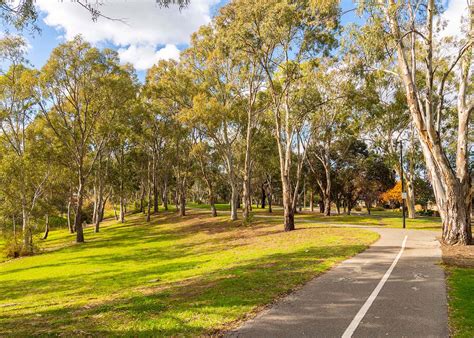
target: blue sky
150 33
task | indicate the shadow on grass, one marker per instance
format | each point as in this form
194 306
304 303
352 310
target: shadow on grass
184 307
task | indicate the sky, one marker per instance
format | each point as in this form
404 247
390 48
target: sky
146 32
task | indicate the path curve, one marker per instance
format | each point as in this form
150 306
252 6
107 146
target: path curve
411 303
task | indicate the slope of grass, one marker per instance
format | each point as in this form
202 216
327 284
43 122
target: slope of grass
461 302
172 276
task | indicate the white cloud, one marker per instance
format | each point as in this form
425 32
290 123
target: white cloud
453 16
147 26
144 56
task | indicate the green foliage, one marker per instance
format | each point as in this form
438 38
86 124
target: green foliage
14 246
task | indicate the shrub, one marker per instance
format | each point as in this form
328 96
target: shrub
426 213
377 209
14 247
358 209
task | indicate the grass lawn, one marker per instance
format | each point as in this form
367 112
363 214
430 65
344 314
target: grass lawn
461 302
387 218
172 276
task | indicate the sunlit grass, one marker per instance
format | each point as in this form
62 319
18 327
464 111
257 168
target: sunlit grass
461 302
172 276
387 218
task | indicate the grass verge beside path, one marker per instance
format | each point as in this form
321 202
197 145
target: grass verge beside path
461 302
459 264
173 276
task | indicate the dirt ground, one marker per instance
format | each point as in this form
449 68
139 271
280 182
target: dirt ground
462 256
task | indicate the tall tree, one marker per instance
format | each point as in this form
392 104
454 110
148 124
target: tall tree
18 104
82 92
217 109
408 29
280 35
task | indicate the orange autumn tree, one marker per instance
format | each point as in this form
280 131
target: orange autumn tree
393 195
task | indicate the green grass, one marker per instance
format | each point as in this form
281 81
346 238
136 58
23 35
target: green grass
172 276
387 218
219 206
461 302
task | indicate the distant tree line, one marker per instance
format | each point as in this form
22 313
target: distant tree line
273 101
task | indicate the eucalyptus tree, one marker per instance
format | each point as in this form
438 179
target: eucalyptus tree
250 83
280 35
170 89
26 173
82 91
384 101
266 166
217 109
208 167
328 94
408 32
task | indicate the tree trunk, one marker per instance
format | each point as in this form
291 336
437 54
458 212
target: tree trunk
164 196
97 223
27 234
78 218
234 202
311 201
115 211
367 206
327 205
142 198
212 202
327 190
247 204
99 214
102 209
410 198
148 214
155 188
94 207
69 223
270 200
122 207
46 227
264 195
213 209
288 209
452 188
182 203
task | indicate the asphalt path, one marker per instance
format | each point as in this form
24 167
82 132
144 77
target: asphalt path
396 288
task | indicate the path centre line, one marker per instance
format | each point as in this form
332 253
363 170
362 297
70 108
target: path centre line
368 303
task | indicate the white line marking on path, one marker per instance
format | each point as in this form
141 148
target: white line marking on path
368 303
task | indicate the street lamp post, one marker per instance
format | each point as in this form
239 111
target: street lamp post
403 184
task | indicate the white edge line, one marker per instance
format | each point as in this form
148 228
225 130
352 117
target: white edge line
368 303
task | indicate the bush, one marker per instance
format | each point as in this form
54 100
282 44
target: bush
57 222
14 247
426 213
377 209
358 209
